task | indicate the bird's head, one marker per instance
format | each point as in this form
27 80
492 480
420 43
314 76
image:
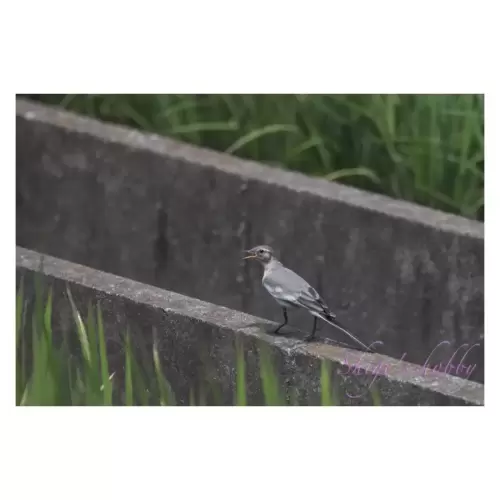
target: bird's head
262 253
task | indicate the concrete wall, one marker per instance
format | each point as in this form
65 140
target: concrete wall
197 343
178 217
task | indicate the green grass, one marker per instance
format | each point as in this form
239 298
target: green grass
74 370
428 149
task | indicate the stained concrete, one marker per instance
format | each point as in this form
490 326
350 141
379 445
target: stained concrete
177 217
197 343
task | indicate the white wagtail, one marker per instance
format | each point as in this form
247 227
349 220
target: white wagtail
291 291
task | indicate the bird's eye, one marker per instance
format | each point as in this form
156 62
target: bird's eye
261 251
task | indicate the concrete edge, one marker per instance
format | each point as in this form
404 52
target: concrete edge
395 371
129 137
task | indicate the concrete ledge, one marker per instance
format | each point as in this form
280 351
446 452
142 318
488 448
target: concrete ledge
177 217
197 342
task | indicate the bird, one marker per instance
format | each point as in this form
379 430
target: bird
291 291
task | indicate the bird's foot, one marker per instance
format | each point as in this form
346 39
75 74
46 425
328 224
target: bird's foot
309 338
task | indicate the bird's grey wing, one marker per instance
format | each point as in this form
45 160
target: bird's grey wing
285 285
310 299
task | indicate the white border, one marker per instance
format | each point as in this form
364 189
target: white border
251 47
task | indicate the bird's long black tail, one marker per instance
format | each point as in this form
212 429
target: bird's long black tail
332 320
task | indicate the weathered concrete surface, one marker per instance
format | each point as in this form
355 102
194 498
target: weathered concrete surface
197 343
177 217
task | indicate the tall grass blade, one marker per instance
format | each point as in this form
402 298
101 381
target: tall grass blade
20 343
204 127
258 134
93 371
166 393
41 390
326 389
107 386
192 399
80 328
270 383
129 390
241 393
354 172
375 395
92 334
142 391
202 398
19 308
308 144
47 318
39 303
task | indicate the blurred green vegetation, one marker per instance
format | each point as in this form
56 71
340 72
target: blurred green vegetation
74 370
428 149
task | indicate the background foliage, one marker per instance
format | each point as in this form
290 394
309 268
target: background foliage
428 149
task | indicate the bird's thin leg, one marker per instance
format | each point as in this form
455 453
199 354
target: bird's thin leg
311 335
285 315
